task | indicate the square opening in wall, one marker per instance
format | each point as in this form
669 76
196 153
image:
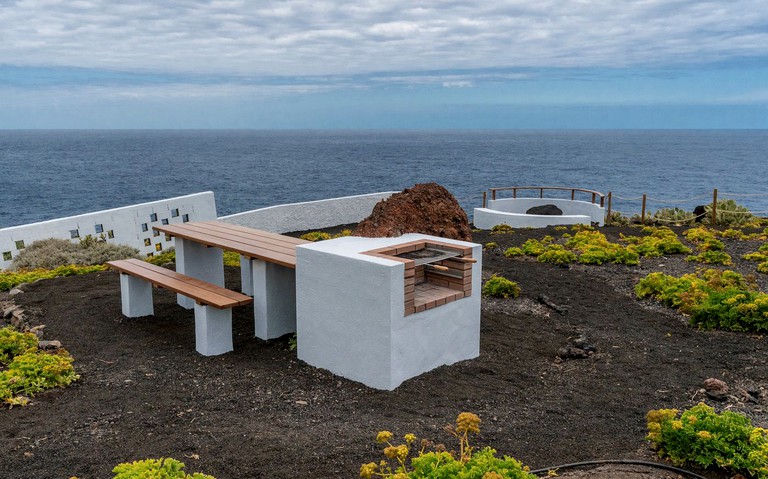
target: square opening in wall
7 256
174 213
20 244
144 227
164 221
155 233
153 217
149 255
110 234
167 237
99 228
185 218
147 242
159 247
74 234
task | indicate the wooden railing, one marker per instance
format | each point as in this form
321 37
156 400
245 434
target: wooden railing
595 194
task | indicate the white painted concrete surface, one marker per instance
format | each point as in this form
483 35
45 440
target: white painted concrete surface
350 314
213 330
310 214
511 211
124 225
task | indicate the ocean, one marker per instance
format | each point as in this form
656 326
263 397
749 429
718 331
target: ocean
52 174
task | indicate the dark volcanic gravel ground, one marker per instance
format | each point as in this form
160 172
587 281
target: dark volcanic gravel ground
258 412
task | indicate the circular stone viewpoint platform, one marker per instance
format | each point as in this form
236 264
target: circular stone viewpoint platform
526 211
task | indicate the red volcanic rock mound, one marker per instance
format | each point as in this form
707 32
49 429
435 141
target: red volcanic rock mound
426 208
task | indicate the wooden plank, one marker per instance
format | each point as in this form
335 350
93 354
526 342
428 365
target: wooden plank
252 251
284 256
201 291
257 242
266 234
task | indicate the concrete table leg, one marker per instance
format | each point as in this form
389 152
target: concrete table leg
274 299
136 296
198 261
246 275
213 330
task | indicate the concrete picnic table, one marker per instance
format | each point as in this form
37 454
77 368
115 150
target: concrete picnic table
267 260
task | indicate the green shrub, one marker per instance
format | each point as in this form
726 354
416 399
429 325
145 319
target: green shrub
438 464
617 219
699 234
711 257
490 245
532 247
11 279
556 254
164 468
730 213
13 343
714 299
500 287
756 256
660 241
705 438
231 258
53 252
513 251
673 215
763 268
316 236
501 229
34 371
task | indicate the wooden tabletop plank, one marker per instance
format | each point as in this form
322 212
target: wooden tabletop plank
266 243
249 242
200 291
262 251
267 234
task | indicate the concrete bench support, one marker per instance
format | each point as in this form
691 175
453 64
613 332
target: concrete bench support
198 261
213 330
274 299
136 296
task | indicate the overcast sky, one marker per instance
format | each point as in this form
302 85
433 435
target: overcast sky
384 64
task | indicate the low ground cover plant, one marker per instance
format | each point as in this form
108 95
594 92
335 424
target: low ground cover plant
714 299
26 370
761 257
52 253
163 468
169 256
11 279
556 254
501 229
500 287
437 463
322 235
675 216
703 437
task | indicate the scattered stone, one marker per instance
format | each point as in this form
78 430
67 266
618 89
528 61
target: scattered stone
570 352
49 345
14 292
716 389
301 403
8 311
37 330
544 299
427 208
577 348
550 210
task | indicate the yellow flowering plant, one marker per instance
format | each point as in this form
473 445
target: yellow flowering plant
439 463
702 436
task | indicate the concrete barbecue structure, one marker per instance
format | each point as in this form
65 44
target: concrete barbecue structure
368 312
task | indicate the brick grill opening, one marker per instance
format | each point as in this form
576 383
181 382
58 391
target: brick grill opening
431 283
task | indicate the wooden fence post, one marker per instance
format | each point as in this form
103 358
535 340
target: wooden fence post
642 215
714 207
610 197
485 197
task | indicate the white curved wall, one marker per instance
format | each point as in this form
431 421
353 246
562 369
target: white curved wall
511 211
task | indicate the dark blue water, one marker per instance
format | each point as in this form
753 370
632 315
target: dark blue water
51 174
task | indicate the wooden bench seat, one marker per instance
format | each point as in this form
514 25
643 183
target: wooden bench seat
213 313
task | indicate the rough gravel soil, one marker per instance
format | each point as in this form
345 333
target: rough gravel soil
258 412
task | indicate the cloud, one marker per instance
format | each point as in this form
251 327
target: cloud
323 37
